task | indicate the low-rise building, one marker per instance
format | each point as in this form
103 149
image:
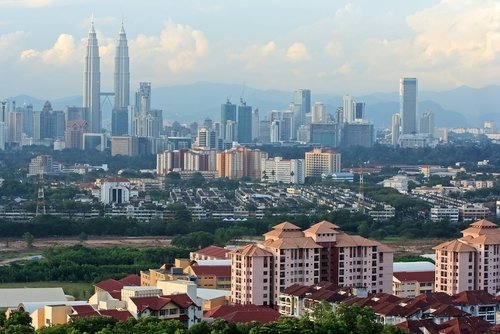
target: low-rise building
411 284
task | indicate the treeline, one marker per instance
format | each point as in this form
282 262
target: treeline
80 263
344 320
220 232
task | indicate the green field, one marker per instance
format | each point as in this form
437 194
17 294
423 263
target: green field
79 290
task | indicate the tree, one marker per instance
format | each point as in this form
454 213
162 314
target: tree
82 237
29 239
18 323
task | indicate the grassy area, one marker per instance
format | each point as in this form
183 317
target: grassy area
79 290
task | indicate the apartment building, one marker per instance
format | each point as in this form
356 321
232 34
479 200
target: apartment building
471 262
288 256
322 161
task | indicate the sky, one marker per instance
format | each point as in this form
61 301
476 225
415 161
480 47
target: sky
329 46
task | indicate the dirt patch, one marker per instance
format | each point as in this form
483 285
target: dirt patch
136 242
413 247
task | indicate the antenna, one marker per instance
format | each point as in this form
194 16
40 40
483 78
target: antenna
40 202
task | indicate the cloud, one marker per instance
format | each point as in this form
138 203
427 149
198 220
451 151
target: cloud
25 3
63 51
297 52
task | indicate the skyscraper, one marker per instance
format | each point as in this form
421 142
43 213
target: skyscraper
348 109
408 105
227 113
318 113
359 111
244 123
395 128
301 106
122 74
119 116
427 123
92 83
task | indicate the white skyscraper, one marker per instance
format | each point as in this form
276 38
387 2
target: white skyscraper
348 109
122 74
408 105
395 129
92 83
318 113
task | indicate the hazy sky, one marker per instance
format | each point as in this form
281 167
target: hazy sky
330 46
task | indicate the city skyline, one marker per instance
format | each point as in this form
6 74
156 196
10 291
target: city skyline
356 47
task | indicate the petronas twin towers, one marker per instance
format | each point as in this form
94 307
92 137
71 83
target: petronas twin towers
92 79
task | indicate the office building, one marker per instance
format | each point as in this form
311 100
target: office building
15 131
324 134
275 131
322 161
301 106
48 123
470 262
124 145
41 164
348 107
255 125
3 135
74 113
74 133
27 112
207 137
265 131
94 141
427 123
359 111
91 83
147 122
119 122
358 134
395 129
288 256
408 88
318 114
227 113
122 73
244 125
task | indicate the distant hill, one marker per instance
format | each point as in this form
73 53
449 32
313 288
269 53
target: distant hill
463 106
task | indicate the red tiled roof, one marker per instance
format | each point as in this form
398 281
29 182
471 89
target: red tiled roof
474 297
182 300
444 310
264 316
110 285
422 276
212 270
214 251
466 325
84 310
131 280
415 326
155 303
121 315
243 313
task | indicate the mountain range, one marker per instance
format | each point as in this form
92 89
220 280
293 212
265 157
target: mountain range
460 107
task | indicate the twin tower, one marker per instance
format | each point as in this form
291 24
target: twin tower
92 79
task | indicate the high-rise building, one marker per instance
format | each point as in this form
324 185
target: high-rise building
92 83
119 116
324 134
15 131
348 109
122 74
301 106
322 161
227 113
3 135
244 121
287 256
395 129
427 123
255 124
239 162
278 169
275 131
48 123
124 145
470 262
27 112
318 114
359 111
358 134
207 137
74 133
264 131
408 88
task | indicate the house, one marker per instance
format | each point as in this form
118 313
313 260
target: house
179 307
210 277
243 314
411 284
210 253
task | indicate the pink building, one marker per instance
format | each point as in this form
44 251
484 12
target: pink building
290 256
470 262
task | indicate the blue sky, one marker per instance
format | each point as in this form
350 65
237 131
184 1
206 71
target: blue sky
330 46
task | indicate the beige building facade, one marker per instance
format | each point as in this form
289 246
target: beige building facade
471 262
